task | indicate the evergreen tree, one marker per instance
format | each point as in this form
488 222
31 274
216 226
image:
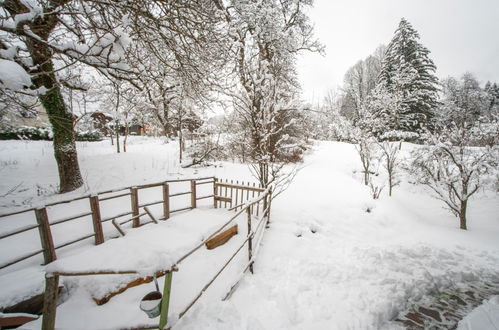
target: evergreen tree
492 91
408 70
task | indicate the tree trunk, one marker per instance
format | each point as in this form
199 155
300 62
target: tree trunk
64 141
462 214
60 118
126 136
117 138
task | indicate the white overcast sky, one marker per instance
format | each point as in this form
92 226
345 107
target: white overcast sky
462 35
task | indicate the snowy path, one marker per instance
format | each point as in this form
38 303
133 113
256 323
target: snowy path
326 263
332 258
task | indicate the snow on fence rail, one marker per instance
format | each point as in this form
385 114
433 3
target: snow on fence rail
225 194
250 207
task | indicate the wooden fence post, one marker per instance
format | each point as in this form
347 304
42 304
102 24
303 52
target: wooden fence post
134 197
45 235
165 302
250 243
193 194
215 180
96 219
50 301
166 201
269 207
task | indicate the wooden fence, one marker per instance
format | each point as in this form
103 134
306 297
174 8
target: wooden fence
225 194
255 228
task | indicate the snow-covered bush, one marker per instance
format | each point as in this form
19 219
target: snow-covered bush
43 133
454 170
25 133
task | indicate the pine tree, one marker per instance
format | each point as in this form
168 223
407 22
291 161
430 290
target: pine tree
408 70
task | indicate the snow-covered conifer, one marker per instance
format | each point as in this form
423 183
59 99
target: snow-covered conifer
408 69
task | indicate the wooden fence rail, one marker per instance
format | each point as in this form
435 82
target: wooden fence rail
52 279
225 194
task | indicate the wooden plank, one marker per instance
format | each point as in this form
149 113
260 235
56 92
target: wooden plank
250 188
134 200
18 231
222 199
166 201
50 301
96 219
237 196
231 193
74 241
193 194
215 188
221 238
131 284
16 319
165 302
113 197
250 241
118 227
25 256
45 235
150 215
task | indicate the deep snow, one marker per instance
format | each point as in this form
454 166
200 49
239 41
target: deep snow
333 258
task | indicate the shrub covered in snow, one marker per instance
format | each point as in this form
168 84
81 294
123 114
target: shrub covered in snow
453 169
42 133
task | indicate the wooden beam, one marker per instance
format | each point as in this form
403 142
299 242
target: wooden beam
193 194
165 302
96 219
16 319
166 201
221 238
50 301
45 235
134 200
223 199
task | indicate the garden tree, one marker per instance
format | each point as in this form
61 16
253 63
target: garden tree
41 38
368 152
492 91
463 101
407 69
358 83
267 36
391 162
452 169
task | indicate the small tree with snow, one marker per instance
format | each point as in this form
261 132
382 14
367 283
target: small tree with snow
368 152
391 162
452 169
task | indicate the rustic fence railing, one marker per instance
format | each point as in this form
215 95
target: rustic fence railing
255 227
225 194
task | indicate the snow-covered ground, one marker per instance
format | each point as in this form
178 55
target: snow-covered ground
333 258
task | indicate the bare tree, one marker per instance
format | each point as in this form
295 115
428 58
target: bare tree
391 162
267 35
43 38
452 169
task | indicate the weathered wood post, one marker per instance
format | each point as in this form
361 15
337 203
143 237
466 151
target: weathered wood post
269 206
166 201
50 301
215 180
45 235
250 241
193 194
134 198
165 302
96 219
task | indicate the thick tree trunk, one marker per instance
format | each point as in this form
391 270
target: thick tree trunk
64 142
462 215
59 116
